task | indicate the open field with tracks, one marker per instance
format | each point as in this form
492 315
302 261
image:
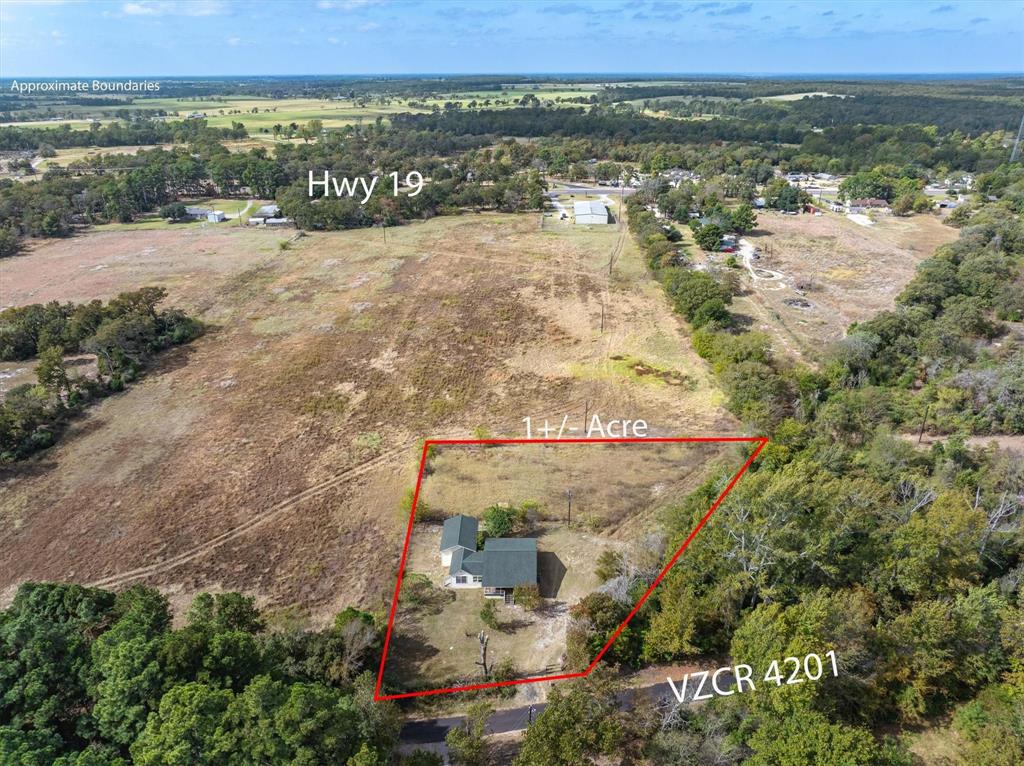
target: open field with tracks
271 455
830 272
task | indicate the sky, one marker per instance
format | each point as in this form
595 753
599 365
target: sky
50 38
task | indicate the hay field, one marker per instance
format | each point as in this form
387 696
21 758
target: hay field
271 455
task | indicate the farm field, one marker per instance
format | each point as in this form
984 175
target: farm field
617 493
853 271
222 112
271 454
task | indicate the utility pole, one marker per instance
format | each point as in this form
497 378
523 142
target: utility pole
920 435
568 495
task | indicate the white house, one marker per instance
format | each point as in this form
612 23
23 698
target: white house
216 216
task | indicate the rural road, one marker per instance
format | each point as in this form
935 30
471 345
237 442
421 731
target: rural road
626 191
433 730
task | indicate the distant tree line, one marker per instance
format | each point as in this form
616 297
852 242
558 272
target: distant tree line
137 132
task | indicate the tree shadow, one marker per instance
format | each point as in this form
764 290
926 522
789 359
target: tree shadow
511 626
409 651
550 573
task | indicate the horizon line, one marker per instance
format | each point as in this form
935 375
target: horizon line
550 73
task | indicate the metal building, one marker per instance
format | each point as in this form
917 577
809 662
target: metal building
590 212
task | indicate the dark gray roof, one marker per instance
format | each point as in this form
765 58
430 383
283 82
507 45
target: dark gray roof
459 530
510 561
472 563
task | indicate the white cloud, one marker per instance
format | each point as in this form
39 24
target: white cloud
139 9
368 26
233 41
174 8
57 37
345 5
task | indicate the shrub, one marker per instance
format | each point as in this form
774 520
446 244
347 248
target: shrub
609 565
527 596
489 614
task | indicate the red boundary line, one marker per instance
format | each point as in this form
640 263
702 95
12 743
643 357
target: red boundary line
761 441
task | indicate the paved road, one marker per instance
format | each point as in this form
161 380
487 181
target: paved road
433 730
611 191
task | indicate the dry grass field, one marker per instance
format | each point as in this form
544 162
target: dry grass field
271 455
854 272
617 490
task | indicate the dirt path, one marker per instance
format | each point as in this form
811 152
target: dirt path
262 517
747 251
252 522
1009 443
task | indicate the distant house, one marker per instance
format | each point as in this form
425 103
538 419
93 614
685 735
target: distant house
269 215
676 176
503 564
587 213
197 213
866 205
216 216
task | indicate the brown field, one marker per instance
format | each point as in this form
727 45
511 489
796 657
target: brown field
618 491
270 455
855 271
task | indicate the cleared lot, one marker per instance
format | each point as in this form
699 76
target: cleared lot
832 273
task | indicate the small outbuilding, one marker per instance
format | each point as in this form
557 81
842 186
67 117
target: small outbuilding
216 216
